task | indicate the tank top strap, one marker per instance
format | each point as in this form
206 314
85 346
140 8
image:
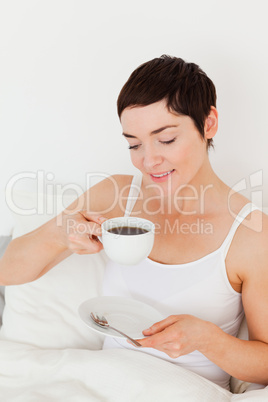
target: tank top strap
244 212
133 193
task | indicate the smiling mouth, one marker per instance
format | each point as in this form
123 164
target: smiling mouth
163 174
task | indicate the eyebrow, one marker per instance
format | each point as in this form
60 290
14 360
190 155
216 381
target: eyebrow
159 130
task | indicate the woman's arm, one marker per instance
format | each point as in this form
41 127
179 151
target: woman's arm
246 360
30 256
178 335
74 231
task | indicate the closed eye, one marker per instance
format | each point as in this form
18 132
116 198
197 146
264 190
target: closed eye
133 146
168 142
162 142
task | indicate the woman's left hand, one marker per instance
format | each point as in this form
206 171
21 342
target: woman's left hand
177 335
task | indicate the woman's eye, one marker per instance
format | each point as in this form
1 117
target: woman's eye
133 146
161 142
168 142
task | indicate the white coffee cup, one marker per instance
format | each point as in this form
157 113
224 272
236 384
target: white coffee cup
128 249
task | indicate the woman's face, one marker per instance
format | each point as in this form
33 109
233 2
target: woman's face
165 147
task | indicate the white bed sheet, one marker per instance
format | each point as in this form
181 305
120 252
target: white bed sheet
30 374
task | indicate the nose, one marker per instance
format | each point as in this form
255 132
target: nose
151 159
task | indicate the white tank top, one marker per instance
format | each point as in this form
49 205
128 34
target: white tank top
200 288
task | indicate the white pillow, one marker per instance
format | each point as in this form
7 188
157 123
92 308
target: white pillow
44 312
4 241
6 219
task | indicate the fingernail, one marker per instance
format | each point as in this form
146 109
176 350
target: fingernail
133 344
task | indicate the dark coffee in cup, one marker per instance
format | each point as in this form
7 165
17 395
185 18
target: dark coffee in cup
120 240
127 230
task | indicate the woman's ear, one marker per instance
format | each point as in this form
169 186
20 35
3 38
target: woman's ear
211 123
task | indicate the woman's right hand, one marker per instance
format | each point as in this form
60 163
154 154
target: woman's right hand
80 231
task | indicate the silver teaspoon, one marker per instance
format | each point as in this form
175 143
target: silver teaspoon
102 322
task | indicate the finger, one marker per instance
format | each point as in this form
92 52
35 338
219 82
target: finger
89 216
83 251
83 228
91 249
169 348
154 341
87 243
160 325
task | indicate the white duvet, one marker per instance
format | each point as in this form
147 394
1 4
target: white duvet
30 374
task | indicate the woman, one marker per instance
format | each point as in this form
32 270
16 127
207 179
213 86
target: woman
209 261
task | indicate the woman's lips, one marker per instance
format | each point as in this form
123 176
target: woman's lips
163 176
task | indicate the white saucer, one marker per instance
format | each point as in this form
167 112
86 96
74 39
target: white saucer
127 315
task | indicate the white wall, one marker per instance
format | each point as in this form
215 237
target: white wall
63 62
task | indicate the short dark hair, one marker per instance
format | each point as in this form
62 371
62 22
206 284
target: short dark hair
186 88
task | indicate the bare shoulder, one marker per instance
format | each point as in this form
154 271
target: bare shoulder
252 233
108 197
253 271
250 245
254 230
258 233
